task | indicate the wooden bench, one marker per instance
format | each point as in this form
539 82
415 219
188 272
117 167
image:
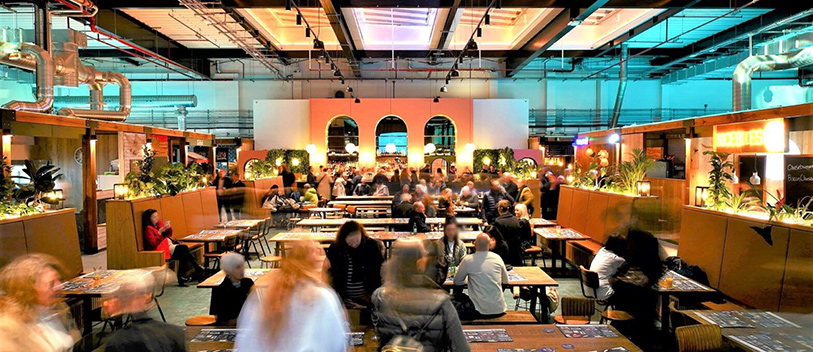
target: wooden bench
509 318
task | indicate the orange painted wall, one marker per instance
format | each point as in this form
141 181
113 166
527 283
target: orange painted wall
415 113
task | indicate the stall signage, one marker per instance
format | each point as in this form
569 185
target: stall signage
798 178
582 141
768 136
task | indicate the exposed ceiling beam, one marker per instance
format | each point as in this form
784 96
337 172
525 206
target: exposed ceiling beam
257 34
334 15
138 33
603 49
556 29
448 26
466 3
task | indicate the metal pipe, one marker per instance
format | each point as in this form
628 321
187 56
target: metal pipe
742 74
152 101
125 100
44 69
96 96
622 85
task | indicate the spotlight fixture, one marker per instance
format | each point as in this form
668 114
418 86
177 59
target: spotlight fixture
349 88
307 32
358 100
298 19
444 89
337 73
472 45
341 79
487 19
436 100
479 32
455 73
448 79
318 44
288 5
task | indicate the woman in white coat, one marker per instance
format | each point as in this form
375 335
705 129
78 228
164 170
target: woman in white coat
339 186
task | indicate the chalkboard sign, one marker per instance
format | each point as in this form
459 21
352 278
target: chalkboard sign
798 178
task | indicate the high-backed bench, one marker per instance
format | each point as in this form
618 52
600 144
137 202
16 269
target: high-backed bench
53 233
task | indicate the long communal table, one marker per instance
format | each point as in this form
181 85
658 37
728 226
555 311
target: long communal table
681 286
760 331
384 236
361 198
527 337
384 222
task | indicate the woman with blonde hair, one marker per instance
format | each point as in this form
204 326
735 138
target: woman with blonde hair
30 283
298 311
526 230
411 306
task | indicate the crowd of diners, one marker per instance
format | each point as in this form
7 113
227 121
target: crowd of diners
303 306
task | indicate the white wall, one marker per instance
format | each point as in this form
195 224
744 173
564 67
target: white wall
499 123
281 124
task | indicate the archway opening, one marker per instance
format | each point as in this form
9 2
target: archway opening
341 132
391 139
439 136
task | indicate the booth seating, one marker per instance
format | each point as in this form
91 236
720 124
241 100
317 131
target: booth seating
189 212
607 212
53 233
255 191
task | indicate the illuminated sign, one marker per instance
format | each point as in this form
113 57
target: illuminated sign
768 136
580 142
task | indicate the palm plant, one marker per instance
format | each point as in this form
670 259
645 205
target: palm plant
719 194
632 171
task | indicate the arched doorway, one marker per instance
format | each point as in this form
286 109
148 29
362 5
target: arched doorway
439 136
341 132
391 140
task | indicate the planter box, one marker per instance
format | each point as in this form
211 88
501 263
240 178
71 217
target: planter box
53 233
255 191
743 266
189 212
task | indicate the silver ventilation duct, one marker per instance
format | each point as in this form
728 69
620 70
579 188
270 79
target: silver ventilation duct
97 100
622 85
44 67
743 72
151 101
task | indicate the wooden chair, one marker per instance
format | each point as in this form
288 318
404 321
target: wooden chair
201 320
590 280
678 317
575 310
533 252
699 338
229 245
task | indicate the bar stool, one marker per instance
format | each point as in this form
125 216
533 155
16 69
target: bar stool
201 320
271 261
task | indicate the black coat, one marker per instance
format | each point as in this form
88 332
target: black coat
511 231
417 223
147 335
288 178
227 300
490 201
512 189
368 258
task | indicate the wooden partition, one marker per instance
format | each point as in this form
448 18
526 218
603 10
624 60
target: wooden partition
598 214
743 266
53 233
255 191
189 212
674 194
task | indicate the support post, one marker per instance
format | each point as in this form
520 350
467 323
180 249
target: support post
89 205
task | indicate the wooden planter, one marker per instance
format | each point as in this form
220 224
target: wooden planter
53 233
743 266
598 214
255 191
189 212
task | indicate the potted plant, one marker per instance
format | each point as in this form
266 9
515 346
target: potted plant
41 180
718 194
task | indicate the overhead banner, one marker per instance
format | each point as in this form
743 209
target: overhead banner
766 136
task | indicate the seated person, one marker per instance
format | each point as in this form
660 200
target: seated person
397 199
295 194
527 237
511 230
607 262
133 298
158 237
229 296
273 200
404 208
417 219
468 197
486 274
362 189
310 197
452 249
354 265
497 244
382 190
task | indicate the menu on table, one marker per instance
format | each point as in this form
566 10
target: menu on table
746 319
725 319
487 335
764 343
99 274
215 335
355 338
512 276
587 331
768 320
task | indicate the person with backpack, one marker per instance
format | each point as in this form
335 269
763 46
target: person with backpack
411 310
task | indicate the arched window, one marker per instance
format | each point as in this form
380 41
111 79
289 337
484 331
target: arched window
391 136
440 131
341 131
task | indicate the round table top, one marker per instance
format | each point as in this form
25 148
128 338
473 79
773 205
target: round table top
323 210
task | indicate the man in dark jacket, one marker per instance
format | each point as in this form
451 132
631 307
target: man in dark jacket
396 199
511 230
510 186
311 177
491 199
288 179
134 297
417 220
404 209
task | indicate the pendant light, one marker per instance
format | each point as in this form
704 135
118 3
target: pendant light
755 179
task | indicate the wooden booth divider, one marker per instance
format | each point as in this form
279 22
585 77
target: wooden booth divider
743 266
255 191
606 212
189 212
53 233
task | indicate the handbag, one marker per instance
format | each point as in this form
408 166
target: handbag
408 341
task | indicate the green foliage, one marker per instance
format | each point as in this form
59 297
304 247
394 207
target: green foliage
6 184
486 157
259 169
140 183
742 202
594 176
41 180
9 206
718 194
168 179
631 172
298 160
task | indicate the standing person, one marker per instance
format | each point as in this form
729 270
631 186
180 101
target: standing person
133 298
158 237
509 186
29 284
632 287
311 177
339 186
396 176
486 274
302 314
411 304
491 199
229 296
222 184
323 181
525 196
510 228
288 179
354 265
417 219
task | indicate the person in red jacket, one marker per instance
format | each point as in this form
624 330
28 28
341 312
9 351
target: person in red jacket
158 237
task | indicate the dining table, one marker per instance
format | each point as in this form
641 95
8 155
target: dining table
557 238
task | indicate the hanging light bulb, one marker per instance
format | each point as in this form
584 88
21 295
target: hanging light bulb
358 100
755 179
436 100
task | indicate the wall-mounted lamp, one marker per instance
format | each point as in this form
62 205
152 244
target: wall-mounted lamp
120 190
614 138
644 188
700 194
